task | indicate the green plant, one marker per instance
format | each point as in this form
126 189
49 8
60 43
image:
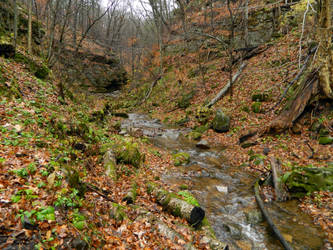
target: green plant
69 200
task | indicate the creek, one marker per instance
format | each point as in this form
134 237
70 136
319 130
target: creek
226 193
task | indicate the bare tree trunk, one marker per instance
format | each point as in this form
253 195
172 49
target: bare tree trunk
246 23
15 24
29 26
231 45
325 52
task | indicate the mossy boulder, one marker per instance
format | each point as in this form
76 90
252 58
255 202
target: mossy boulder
256 107
181 158
325 140
128 153
260 97
221 122
305 180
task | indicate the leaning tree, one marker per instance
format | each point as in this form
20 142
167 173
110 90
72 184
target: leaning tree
317 80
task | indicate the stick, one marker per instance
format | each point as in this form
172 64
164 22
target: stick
151 88
226 88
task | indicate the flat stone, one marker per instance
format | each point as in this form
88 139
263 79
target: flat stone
222 189
203 144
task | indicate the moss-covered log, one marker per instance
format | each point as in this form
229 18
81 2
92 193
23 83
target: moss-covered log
110 164
176 206
305 180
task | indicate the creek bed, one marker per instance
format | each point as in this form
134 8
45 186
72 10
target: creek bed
226 194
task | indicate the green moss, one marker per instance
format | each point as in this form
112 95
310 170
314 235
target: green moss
260 97
189 198
111 170
183 187
305 180
203 114
117 212
256 107
325 140
181 158
193 135
129 153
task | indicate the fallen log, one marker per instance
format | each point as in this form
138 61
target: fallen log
226 88
176 206
267 217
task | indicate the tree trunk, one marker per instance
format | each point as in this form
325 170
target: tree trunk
325 52
29 26
15 24
320 78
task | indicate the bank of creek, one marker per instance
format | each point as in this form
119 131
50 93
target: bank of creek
226 193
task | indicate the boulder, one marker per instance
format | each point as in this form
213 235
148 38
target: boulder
221 122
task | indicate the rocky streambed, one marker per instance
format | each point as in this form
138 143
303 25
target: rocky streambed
226 193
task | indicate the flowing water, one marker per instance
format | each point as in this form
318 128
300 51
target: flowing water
226 193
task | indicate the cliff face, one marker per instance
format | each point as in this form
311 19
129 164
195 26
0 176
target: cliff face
95 73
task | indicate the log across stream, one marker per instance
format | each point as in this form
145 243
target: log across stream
226 194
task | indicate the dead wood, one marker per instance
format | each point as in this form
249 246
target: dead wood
226 87
307 89
151 88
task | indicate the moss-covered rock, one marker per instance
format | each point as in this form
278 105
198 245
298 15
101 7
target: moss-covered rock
260 97
305 180
325 140
128 153
181 158
221 122
256 107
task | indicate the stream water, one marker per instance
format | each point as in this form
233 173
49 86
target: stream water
226 193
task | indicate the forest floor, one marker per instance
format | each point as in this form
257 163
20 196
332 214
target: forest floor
43 143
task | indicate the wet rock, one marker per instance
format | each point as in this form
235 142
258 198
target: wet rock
79 244
221 122
253 217
123 132
325 140
222 189
234 230
203 144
